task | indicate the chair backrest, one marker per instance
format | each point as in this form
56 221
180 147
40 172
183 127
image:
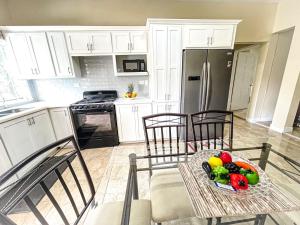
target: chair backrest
209 127
37 180
166 134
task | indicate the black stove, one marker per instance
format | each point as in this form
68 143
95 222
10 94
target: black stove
95 120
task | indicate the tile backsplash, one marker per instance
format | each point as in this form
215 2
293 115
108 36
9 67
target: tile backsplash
96 74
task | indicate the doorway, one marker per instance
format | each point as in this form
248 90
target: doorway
273 73
243 73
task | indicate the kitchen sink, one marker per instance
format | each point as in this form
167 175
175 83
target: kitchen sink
11 111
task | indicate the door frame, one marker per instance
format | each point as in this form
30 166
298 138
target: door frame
233 72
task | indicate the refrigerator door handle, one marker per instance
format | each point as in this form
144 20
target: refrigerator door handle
203 88
207 86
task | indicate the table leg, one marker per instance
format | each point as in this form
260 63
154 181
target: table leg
263 219
209 221
257 220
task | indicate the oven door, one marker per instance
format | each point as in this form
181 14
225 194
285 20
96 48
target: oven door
95 124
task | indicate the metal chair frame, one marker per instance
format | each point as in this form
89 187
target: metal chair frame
203 120
40 181
177 121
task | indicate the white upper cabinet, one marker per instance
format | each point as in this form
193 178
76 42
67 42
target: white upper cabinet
222 36
41 54
129 41
22 53
209 36
78 42
32 54
139 41
59 51
101 42
89 43
121 41
197 35
166 62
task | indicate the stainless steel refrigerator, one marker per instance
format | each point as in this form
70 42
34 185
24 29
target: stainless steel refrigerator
206 80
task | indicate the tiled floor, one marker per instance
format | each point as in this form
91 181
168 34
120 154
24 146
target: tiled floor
241 113
109 169
295 132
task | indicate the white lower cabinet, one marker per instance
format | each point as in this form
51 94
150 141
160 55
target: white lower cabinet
26 135
130 124
166 107
61 122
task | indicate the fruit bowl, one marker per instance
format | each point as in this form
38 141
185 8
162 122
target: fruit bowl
259 189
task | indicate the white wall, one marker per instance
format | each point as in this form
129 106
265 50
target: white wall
288 15
257 24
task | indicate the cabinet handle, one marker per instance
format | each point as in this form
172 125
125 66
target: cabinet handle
69 70
33 122
208 40
29 122
211 40
88 46
91 47
32 70
36 71
132 46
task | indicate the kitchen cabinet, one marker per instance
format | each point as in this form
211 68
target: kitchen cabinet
25 135
167 107
89 43
61 122
166 53
129 42
130 124
209 36
32 54
5 163
60 55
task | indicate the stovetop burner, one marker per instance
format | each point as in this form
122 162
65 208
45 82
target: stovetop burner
96 99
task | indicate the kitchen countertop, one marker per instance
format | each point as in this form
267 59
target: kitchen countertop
138 100
32 108
38 106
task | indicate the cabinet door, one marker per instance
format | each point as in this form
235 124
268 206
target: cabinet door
159 61
60 55
78 42
174 63
22 53
138 41
222 36
126 117
41 130
142 110
197 36
101 42
17 139
61 123
42 56
5 163
121 41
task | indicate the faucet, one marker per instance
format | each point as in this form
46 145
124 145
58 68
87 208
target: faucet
3 102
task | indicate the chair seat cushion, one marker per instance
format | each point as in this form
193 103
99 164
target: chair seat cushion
111 213
169 197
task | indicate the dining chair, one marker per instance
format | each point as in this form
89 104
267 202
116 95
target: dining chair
211 129
166 142
78 200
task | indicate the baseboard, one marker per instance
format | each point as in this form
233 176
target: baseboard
280 130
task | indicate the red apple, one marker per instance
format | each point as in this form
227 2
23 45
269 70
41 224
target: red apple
225 157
